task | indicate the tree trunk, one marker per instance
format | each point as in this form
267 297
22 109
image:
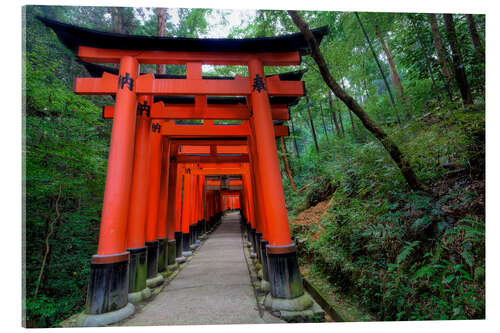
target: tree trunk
352 122
396 82
379 67
476 40
287 167
426 52
332 112
458 65
441 53
324 125
312 124
392 66
294 139
47 244
397 155
161 15
341 122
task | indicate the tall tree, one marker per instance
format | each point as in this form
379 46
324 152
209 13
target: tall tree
294 138
340 121
332 112
382 74
323 120
162 18
397 155
440 51
284 154
312 124
476 40
421 44
458 64
396 82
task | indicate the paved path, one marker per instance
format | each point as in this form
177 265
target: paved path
214 287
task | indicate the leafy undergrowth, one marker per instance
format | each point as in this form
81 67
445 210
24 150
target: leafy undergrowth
401 255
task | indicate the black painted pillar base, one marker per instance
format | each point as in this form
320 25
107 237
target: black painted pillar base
284 274
249 234
258 248
153 251
265 264
191 235
162 255
178 243
254 244
108 283
186 244
138 269
171 252
203 228
198 231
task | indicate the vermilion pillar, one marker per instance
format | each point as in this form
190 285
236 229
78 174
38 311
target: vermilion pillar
186 211
155 166
172 198
283 267
136 236
178 212
161 228
108 283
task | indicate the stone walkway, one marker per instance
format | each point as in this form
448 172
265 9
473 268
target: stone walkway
214 287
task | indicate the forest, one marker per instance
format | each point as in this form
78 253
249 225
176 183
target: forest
390 140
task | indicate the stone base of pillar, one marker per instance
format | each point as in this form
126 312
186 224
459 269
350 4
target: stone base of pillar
139 296
180 260
108 283
174 267
97 320
155 281
298 309
265 286
187 253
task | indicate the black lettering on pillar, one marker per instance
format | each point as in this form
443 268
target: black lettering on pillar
258 83
125 80
156 127
141 108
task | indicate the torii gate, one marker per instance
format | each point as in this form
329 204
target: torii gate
132 200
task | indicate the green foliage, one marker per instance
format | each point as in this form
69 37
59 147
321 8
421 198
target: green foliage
403 255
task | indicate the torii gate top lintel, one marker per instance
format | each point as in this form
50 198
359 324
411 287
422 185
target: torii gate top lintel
86 41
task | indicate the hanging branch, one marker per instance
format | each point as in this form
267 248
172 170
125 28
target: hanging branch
287 167
47 246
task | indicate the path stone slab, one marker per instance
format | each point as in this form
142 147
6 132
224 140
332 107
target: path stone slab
214 288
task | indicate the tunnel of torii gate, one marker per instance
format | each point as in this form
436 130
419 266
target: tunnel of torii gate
168 182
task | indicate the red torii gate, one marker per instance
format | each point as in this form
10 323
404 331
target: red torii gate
131 202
